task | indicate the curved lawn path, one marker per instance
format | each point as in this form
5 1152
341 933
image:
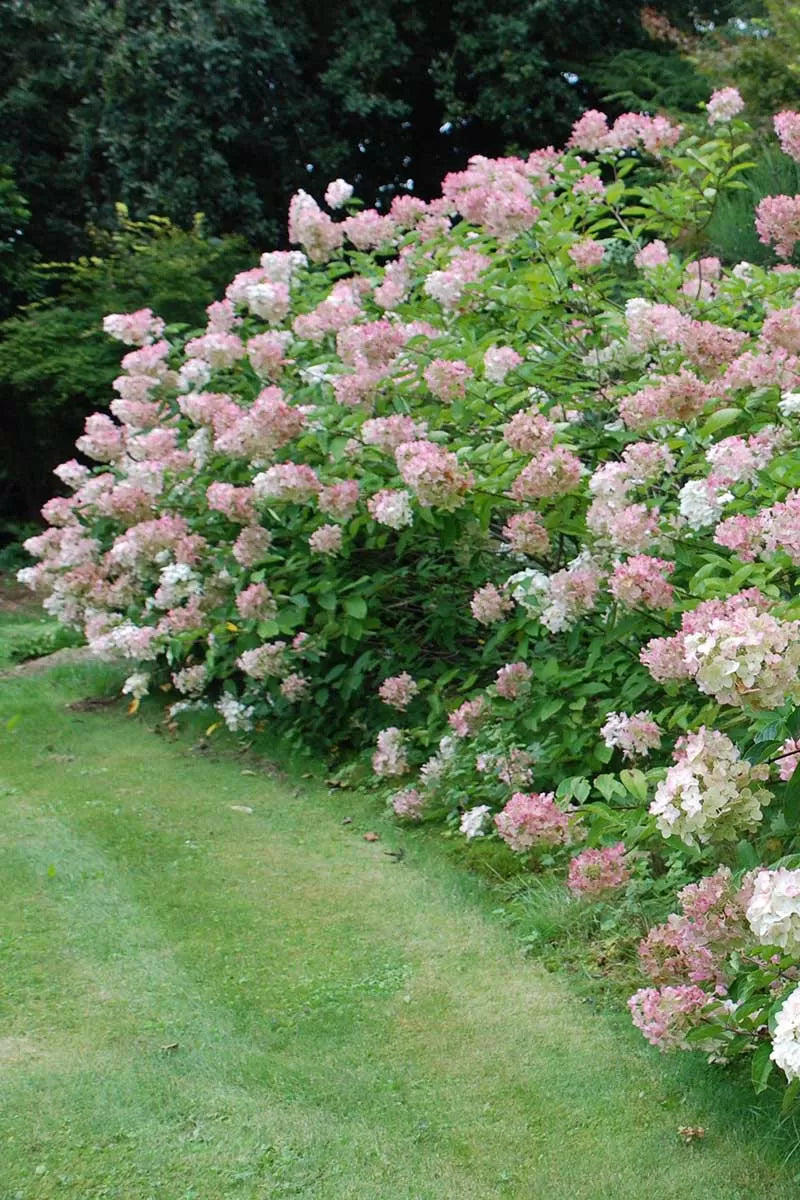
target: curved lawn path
200 1002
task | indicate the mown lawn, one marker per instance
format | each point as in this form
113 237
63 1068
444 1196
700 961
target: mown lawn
203 1002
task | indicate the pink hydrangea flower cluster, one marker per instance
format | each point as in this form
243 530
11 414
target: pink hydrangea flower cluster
498 361
524 533
672 399
495 193
787 127
665 1015
654 254
408 803
528 431
772 530
560 599
694 943
773 912
139 328
532 819
448 379
467 719
634 736
313 229
256 603
555 471
399 690
448 287
653 134
326 540
596 873
390 757
587 253
433 474
641 583
788 759
734 649
488 605
513 680
391 508
724 104
778 223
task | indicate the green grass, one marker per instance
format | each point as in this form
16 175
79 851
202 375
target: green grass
198 1002
25 631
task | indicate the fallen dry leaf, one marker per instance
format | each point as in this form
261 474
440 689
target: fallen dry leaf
372 837
245 808
691 1133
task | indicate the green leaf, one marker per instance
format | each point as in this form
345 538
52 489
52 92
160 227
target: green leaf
356 606
761 1067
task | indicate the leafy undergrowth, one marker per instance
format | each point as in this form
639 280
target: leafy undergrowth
214 985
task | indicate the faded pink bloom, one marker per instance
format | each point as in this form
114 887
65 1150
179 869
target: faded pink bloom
528 431
788 759
433 474
513 680
252 546
391 508
596 873
337 193
287 481
674 398
488 605
256 603
264 662
640 582
390 756
636 735
654 254
398 691
467 719
587 253
295 687
339 499
498 361
665 1015
554 471
409 804
525 534
313 229
724 104
387 433
326 540
447 379
138 328
787 127
531 819
778 223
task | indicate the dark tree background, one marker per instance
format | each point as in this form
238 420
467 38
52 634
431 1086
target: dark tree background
227 106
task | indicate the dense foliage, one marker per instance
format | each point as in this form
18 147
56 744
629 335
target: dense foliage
57 365
519 468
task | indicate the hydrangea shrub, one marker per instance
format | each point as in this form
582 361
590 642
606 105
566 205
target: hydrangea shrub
501 489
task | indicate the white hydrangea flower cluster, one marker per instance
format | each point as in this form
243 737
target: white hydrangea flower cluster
711 793
774 910
749 657
238 717
786 1038
473 821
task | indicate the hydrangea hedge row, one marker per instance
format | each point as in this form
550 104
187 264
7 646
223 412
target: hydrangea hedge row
506 485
